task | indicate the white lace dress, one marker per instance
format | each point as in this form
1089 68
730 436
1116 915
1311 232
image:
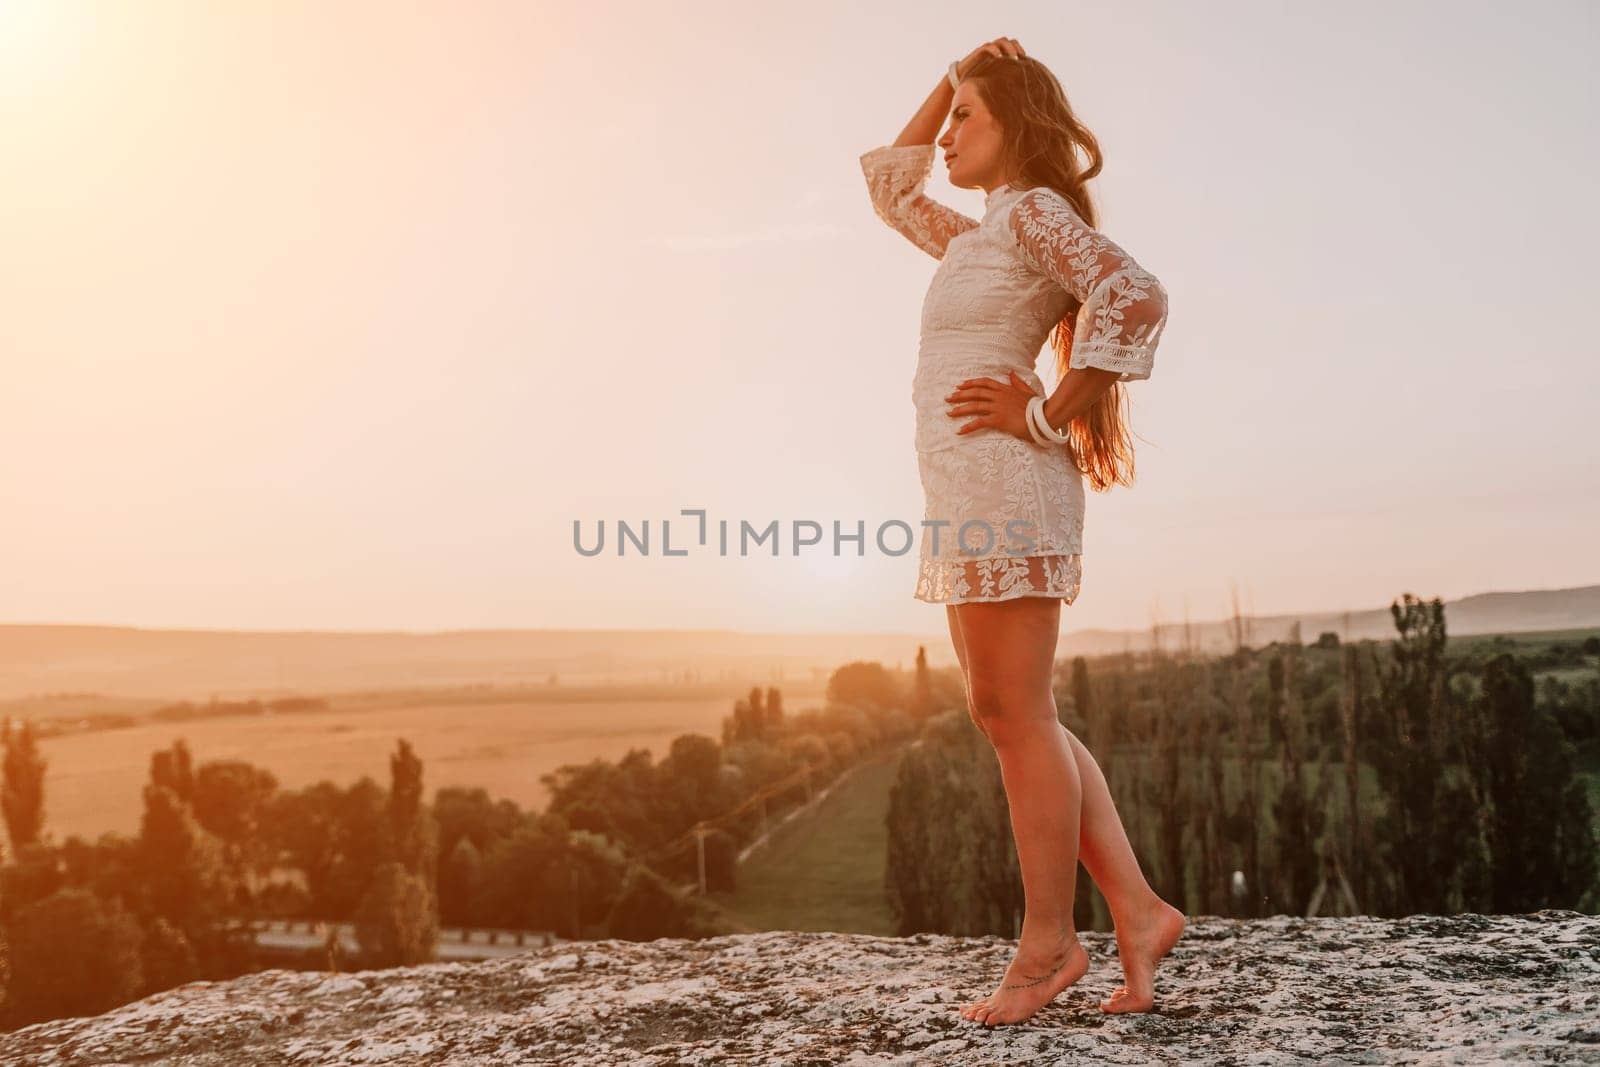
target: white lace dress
1003 516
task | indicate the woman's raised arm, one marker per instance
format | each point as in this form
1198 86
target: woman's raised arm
896 173
895 177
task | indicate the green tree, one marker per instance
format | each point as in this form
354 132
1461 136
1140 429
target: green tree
462 812
336 839
749 721
396 925
690 780
646 908
230 800
22 790
1539 827
774 726
459 883
182 867
1408 750
167 957
922 701
951 865
598 867
397 922
173 769
1298 810
528 882
622 800
72 954
109 866
1165 787
413 839
36 874
864 684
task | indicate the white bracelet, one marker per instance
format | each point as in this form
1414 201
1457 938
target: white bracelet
1040 426
955 79
1033 423
1060 438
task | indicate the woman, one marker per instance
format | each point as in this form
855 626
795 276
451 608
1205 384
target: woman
1003 532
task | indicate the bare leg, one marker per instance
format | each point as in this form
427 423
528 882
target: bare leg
1146 925
1010 648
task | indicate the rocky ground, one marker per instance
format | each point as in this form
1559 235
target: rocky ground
1427 989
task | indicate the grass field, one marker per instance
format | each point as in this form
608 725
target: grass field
823 870
94 779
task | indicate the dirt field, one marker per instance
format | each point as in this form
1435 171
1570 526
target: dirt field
94 779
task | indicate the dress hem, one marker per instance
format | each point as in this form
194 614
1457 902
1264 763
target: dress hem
947 581
1057 594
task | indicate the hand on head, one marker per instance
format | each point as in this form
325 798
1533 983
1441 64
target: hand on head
1000 48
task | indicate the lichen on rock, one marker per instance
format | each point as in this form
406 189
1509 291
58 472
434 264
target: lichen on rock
1463 988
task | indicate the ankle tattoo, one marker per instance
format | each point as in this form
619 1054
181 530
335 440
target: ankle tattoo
1065 957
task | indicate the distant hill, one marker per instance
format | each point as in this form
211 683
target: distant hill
1529 611
131 661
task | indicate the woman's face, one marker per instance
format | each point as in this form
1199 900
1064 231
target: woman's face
972 143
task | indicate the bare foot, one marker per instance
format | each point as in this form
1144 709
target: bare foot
1033 980
1141 943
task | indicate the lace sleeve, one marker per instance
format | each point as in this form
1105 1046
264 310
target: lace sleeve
1124 307
895 176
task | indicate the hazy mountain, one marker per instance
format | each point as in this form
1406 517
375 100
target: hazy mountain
194 664
1528 611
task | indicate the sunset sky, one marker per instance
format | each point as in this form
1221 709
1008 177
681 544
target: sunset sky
338 315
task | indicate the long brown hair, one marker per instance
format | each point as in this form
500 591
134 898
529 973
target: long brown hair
1042 139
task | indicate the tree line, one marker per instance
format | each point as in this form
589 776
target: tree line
85 926
1382 778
